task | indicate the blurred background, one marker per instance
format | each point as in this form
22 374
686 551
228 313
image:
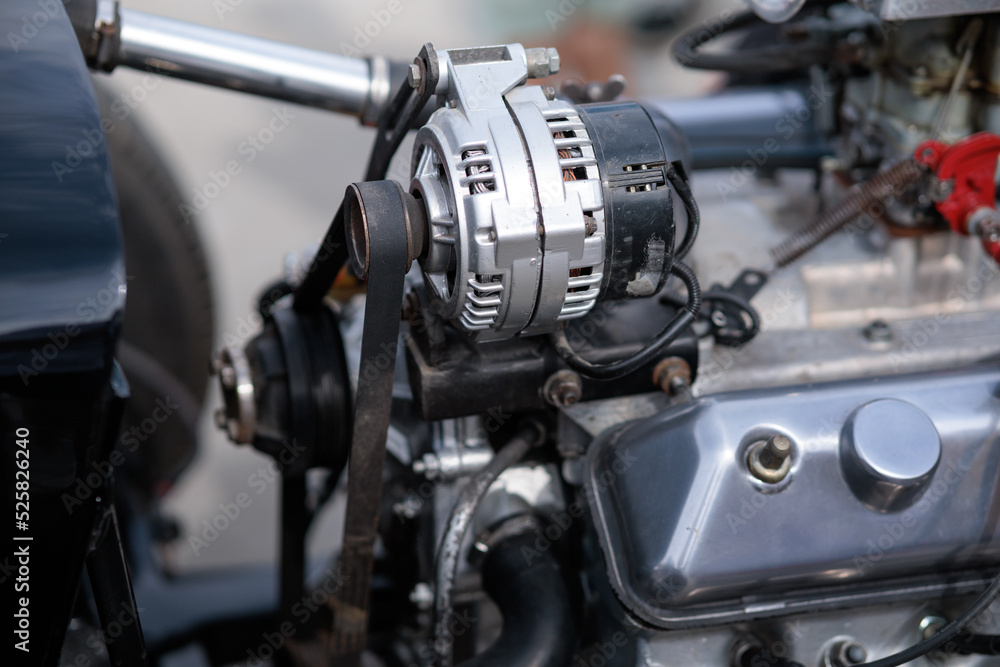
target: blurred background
285 192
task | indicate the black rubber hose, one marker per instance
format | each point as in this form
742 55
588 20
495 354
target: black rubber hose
681 321
539 624
459 522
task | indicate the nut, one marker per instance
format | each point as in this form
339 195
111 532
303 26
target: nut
845 653
541 62
770 460
563 389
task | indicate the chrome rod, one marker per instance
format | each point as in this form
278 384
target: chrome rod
252 65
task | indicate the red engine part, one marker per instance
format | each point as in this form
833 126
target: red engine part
968 168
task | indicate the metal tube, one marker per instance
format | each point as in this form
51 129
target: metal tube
731 127
252 65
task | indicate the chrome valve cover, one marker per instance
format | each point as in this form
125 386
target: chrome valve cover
692 537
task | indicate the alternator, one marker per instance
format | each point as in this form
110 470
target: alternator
523 192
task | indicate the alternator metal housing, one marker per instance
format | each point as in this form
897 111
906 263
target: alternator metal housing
513 197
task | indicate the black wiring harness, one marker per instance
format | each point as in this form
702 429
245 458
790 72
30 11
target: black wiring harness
685 316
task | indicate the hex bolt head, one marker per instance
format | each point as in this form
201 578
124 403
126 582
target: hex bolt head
931 624
553 55
541 62
770 460
845 653
414 76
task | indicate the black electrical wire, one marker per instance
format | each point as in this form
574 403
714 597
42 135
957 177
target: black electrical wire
652 350
690 205
944 635
772 58
979 645
747 333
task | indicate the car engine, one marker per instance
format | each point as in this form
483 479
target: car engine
679 382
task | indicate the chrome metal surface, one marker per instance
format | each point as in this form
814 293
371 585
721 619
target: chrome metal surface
239 416
252 65
938 294
905 10
882 630
452 465
889 451
685 515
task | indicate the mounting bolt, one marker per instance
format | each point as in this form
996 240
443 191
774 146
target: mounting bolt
563 389
845 653
672 376
770 460
719 318
541 62
931 624
414 76
877 331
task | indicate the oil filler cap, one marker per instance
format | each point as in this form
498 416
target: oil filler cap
889 450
